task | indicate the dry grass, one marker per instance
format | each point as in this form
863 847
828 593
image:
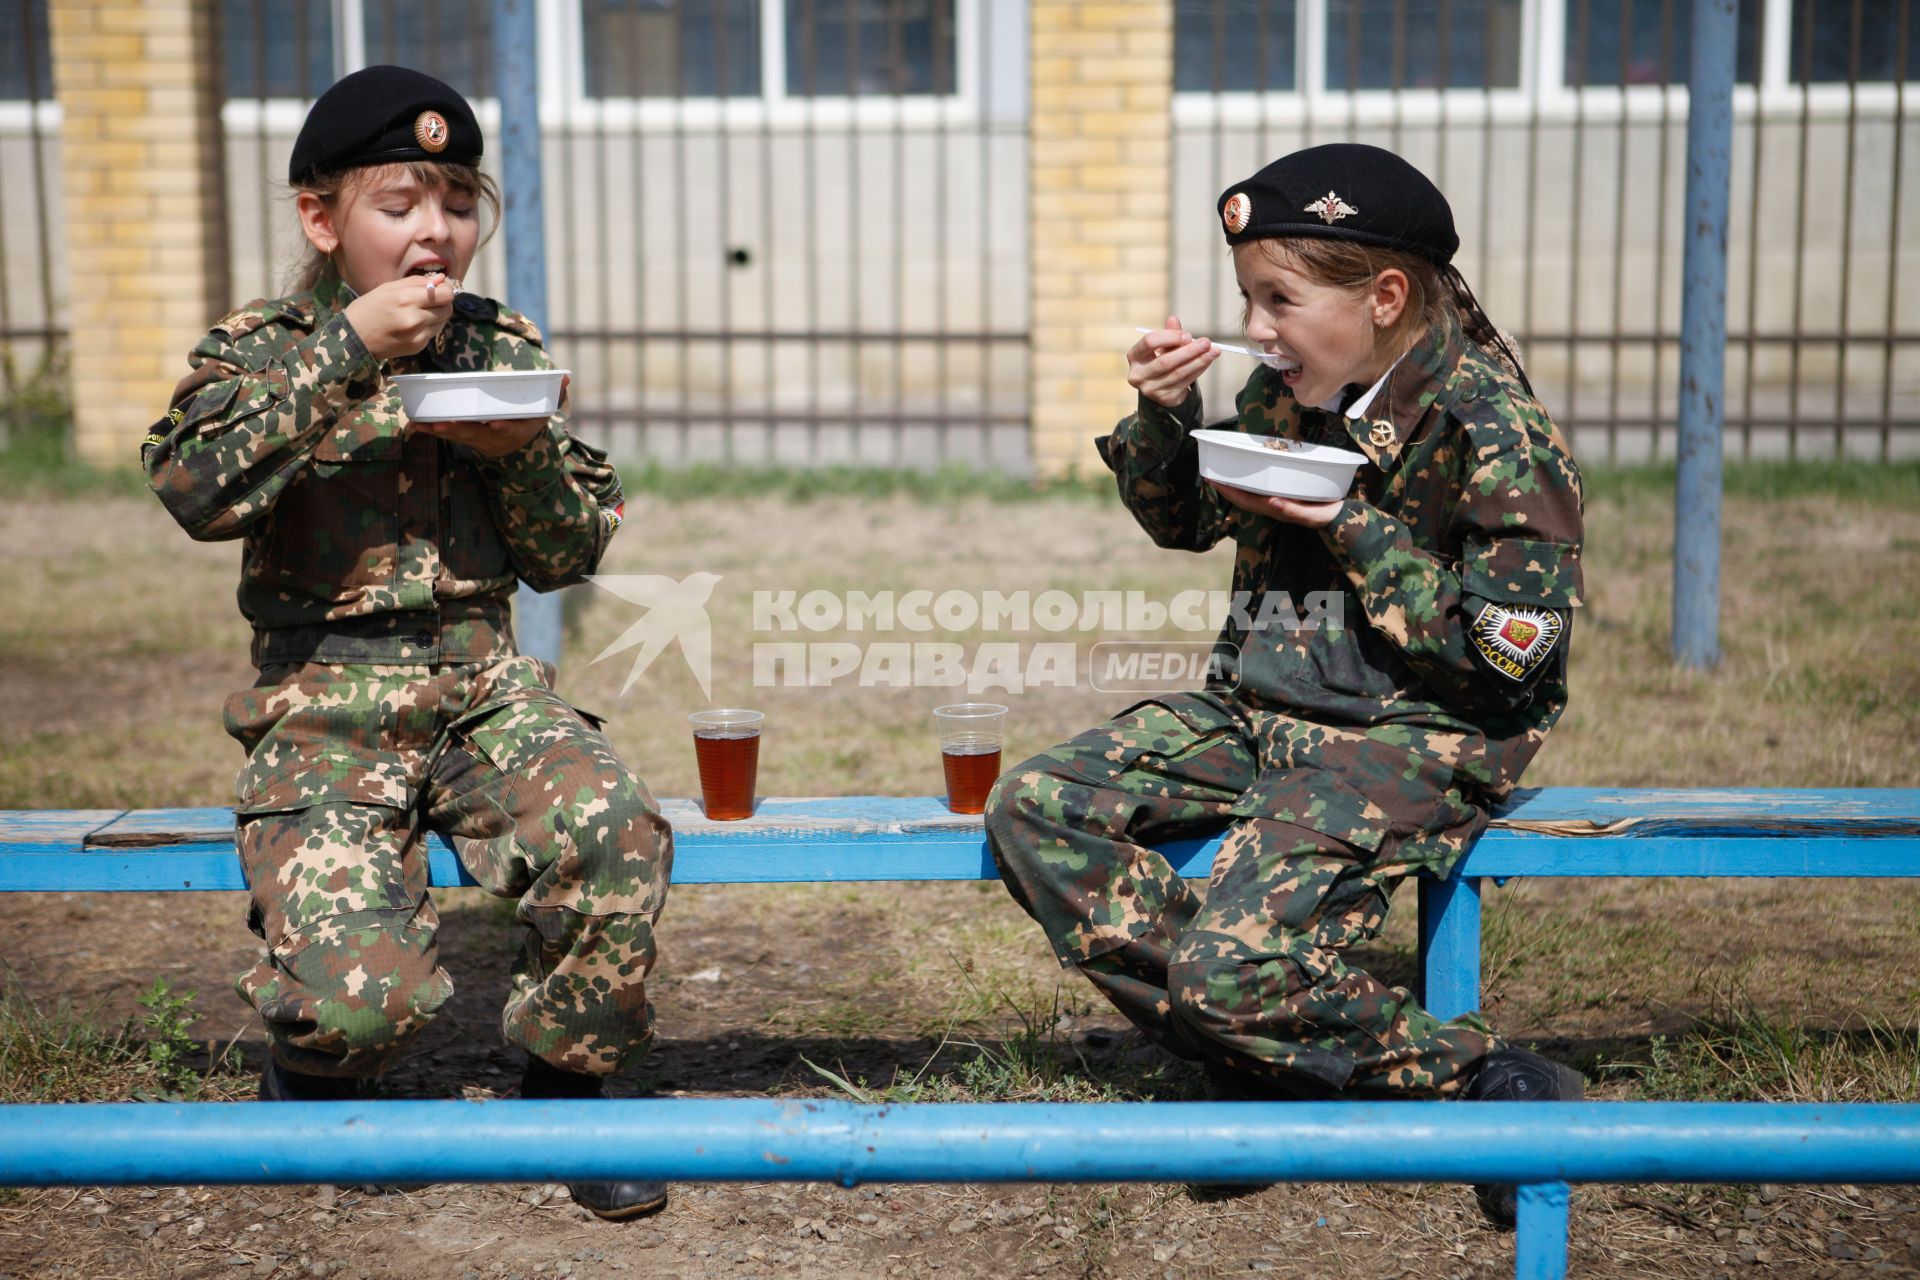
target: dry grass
120 639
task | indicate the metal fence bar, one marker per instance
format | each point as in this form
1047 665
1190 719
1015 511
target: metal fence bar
1569 412
536 616
1902 33
681 258
37 93
1616 317
1703 324
1846 231
1749 345
825 1140
1800 232
1540 1232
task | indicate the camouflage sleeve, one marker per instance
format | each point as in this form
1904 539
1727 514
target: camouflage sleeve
556 501
1157 468
1485 628
245 421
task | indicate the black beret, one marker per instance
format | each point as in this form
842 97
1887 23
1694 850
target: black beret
384 115
1342 191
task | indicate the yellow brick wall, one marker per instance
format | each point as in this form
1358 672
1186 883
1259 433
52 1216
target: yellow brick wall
142 176
1101 132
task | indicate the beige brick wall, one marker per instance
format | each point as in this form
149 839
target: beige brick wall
1102 91
142 177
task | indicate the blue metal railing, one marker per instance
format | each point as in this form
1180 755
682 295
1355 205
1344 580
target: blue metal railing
1540 1146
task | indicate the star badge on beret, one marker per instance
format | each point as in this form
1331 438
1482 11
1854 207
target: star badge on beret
1514 641
1238 213
1331 208
430 131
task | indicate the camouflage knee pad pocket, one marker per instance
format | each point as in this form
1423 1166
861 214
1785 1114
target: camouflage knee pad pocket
343 995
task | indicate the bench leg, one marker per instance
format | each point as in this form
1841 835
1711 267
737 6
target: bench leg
1450 945
1540 1235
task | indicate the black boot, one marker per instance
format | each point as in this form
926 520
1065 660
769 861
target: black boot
1518 1075
281 1084
616 1201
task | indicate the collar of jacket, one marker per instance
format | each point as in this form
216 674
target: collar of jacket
330 294
1412 388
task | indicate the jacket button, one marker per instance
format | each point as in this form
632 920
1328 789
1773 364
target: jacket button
423 639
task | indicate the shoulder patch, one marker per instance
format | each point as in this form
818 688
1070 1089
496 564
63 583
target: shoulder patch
257 314
515 323
1515 640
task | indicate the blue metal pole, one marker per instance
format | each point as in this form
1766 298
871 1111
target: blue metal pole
1703 335
1540 1232
516 76
810 1140
1450 945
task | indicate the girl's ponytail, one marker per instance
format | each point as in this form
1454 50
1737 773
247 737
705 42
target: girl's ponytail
1474 321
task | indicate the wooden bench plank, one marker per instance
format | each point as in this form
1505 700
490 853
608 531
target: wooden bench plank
1641 813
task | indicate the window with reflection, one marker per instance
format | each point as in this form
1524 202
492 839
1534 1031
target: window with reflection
671 48
1423 44
277 48
1835 43
1616 42
1234 46
449 39
837 47
26 52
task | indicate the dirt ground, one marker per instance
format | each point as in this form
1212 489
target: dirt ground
732 965
885 983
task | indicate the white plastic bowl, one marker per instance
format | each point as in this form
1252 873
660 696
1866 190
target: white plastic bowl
480 397
1282 468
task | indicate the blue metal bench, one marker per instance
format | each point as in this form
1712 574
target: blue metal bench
1555 831
1547 832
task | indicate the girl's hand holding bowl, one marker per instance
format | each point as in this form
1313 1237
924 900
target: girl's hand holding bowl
1312 515
494 439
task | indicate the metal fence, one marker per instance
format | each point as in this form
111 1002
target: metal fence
31 328
796 230
1557 131
785 231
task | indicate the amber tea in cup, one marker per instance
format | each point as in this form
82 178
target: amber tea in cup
971 734
726 743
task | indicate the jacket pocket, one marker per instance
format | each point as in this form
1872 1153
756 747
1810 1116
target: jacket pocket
1522 571
335 532
272 783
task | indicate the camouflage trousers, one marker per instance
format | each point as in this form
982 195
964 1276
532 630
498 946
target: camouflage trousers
349 768
1253 976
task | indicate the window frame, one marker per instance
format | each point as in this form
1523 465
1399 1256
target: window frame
564 102
1543 91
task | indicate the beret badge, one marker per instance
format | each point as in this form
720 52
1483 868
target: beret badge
430 131
1238 213
1331 208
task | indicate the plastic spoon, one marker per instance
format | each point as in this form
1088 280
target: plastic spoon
1264 357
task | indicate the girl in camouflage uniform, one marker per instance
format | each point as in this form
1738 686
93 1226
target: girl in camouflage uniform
1339 758
379 564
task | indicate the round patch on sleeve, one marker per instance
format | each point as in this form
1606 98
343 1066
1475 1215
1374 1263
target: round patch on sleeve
1515 641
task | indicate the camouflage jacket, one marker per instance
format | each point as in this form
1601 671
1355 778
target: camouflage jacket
366 542
1450 572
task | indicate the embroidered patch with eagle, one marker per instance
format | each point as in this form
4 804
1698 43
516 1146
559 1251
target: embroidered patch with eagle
1515 641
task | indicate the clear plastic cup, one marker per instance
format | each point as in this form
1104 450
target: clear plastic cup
726 742
971 735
